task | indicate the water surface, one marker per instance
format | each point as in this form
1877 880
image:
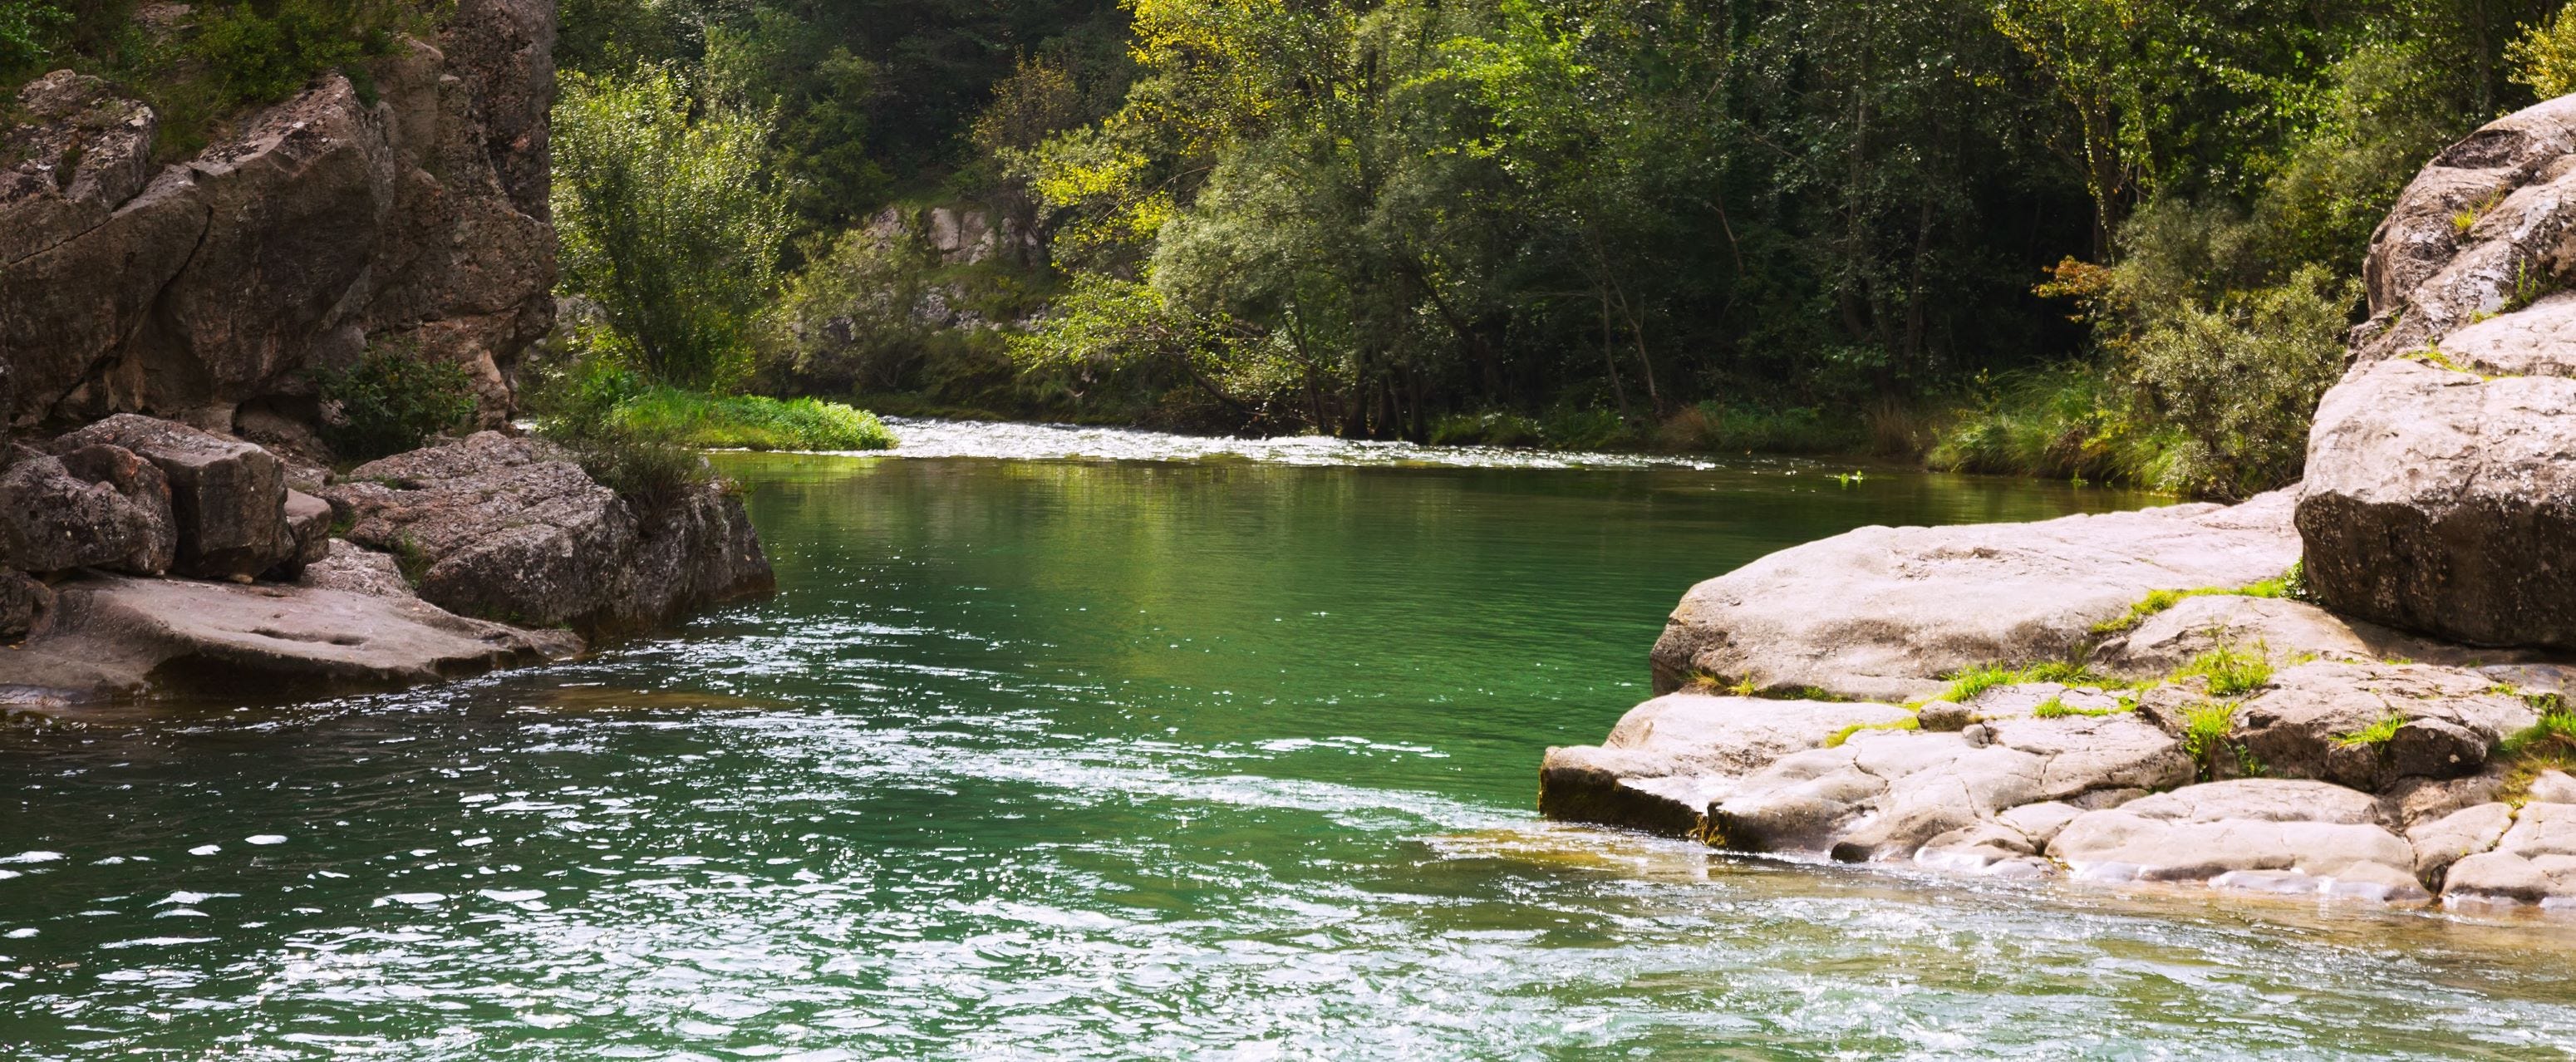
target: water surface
1216 751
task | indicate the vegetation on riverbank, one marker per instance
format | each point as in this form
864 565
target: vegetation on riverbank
2029 237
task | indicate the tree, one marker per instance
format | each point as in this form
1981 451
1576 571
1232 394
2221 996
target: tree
665 221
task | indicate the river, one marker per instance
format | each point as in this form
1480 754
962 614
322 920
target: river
1064 744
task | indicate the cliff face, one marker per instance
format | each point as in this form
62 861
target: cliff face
206 291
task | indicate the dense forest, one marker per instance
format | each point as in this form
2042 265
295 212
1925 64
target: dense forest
2116 240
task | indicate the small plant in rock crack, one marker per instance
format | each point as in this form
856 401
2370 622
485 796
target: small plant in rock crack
2205 729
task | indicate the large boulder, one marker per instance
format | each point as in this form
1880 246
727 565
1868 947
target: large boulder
2428 276
410 214
1670 757
512 529
94 506
2269 835
1882 613
125 637
2443 501
227 497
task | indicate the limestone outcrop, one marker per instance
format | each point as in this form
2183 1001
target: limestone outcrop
212 290
512 529
279 607
1883 613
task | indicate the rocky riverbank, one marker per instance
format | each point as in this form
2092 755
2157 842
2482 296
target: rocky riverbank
166 520
2354 687
140 557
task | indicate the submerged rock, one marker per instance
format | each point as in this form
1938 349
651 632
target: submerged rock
1883 613
512 529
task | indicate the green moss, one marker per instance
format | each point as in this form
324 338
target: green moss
749 422
1845 734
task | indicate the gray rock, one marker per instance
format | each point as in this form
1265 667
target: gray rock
513 530
2440 502
2307 723
308 521
1881 613
2552 787
2456 836
95 506
2271 835
227 497
2287 631
412 215
1993 849
2534 863
125 637
2427 278
1886 794
351 569
1669 757
26 606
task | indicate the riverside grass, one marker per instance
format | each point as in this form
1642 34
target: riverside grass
750 422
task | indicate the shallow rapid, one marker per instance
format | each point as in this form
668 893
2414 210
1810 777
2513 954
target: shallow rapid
1060 744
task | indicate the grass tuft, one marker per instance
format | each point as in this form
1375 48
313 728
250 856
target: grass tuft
2379 733
2230 671
2289 584
2205 729
2057 708
1845 734
2547 745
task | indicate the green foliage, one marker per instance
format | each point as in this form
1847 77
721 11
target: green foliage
665 223
749 422
391 400
2206 728
2065 422
2057 708
2241 379
2378 733
2545 56
1972 683
2291 583
2546 745
2229 671
26 28
1714 427
262 52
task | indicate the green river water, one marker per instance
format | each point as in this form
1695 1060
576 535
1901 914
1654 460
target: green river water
1209 752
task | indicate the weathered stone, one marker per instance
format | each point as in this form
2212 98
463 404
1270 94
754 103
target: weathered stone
95 506
308 521
228 497
2458 835
125 637
512 529
1993 848
2282 835
2428 278
1885 794
2285 630
348 568
2442 503
1669 757
26 606
2308 722
332 221
2552 787
1883 612
2534 863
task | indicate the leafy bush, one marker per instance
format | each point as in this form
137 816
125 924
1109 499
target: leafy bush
750 422
258 57
25 26
1493 428
665 222
392 400
2545 57
1716 427
2241 379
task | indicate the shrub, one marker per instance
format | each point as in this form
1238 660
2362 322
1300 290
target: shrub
1714 427
2229 670
2545 57
750 422
653 473
259 57
664 222
1492 428
2205 730
25 26
392 400
2241 379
